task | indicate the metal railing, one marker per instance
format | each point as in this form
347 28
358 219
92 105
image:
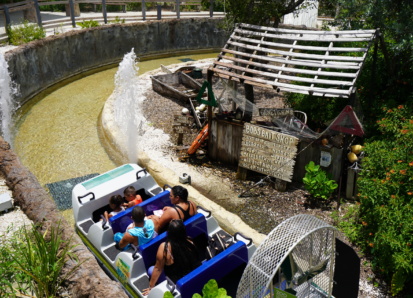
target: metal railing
72 5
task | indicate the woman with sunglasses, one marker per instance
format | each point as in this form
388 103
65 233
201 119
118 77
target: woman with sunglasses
175 258
181 209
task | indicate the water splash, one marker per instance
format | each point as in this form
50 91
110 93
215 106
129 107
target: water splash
128 112
8 90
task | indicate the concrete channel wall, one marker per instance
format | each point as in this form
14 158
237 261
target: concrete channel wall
43 63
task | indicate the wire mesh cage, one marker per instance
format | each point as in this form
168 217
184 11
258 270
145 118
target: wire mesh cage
296 257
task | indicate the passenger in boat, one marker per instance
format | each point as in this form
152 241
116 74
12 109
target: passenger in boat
131 197
115 203
175 258
141 232
181 209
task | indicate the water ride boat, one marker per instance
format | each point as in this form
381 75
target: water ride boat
90 199
179 85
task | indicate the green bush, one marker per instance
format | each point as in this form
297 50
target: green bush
31 263
25 33
386 197
320 110
317 182
211 290
88 24
117 20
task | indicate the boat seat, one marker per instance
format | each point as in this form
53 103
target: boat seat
216 268
120 221
156 202
144 194
86 225
196 228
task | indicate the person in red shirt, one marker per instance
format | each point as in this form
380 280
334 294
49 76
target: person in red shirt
131 197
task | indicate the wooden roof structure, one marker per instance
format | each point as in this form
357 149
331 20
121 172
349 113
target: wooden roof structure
320 63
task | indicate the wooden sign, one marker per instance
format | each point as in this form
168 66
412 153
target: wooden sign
180 129
183 120
268 152
275 113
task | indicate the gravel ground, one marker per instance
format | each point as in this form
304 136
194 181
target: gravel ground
13 219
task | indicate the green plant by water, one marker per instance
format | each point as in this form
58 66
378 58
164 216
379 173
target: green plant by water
88 24
317 182
210 290
25 33
117 20
32 262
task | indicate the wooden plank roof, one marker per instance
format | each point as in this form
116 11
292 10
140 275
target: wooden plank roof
321 63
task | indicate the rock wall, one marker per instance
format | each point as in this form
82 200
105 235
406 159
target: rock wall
42 63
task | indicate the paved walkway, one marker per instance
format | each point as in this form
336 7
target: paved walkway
58 22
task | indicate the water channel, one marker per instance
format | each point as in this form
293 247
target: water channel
57 132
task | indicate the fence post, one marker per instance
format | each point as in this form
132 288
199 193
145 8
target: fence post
39 17
72 13
211 8
105 15
178 9
143 10
159 12
7 15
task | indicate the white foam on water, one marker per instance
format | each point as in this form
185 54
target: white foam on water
128 112
8 89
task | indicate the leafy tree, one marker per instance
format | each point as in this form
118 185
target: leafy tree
264 12
386 196
387 75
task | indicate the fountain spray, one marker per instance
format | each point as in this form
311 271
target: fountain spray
8 90
128 112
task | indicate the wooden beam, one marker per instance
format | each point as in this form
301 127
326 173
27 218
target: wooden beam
306 37
299 47
285 77
310 32
297 54
280 59
292 69
254 81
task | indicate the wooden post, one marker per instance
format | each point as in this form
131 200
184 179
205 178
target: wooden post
143 10
105 15
280 185
178 9
350 183
7 15
249 95
346 142
39 17
210 73
72 13
180 139
374 65
241 173
211 8
159 12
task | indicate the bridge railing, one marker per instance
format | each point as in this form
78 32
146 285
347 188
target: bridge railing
32 13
